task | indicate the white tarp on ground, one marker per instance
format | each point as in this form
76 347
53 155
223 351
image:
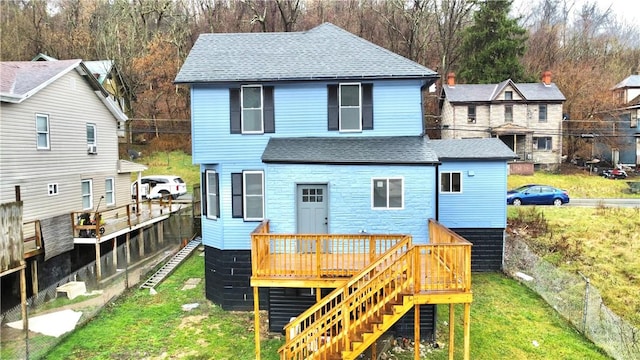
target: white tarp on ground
52 324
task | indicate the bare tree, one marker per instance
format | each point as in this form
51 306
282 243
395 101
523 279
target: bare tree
452 16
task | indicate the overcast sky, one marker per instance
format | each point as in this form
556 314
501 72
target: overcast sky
625 10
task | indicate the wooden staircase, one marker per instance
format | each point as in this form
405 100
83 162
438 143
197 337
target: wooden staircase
376 326
351 318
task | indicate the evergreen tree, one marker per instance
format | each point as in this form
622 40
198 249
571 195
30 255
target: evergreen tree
493 45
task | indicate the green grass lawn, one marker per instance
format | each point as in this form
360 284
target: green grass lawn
144 326
601 243
509 321
578 185
506 319
171 163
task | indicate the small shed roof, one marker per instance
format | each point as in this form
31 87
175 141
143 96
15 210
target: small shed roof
399 150
126 166
472 149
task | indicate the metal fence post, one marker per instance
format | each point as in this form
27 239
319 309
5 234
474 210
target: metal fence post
586 303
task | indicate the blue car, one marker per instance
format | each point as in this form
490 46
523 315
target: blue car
537 195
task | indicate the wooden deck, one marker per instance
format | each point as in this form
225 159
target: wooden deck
121 220
377 279
329 260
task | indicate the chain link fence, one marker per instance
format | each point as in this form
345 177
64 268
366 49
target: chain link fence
118 274
575 298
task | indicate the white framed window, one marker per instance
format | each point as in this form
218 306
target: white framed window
471 114
508 95
508 113
42 132
251 104
212 203
110 191
52 189
253 195
87 194
92 145
542 143
387 193
542 113
350 103
451 182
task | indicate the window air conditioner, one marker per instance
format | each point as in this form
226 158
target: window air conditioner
92 149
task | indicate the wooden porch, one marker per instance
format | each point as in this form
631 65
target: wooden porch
377 279
111 223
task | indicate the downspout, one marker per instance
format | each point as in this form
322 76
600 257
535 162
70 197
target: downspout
438 193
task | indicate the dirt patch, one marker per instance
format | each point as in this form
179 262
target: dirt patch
264 323
191 321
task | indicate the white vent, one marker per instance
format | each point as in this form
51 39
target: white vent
92 149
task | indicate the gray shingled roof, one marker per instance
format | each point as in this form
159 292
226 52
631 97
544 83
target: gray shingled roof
21 79
488 92
632 81
472 149
406 150
324 52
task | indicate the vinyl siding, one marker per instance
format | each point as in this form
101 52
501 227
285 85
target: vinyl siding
227 232
300 110
349 193
70 103
482 202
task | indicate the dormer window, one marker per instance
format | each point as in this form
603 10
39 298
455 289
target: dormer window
508 95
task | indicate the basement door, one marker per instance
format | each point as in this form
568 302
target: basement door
312 212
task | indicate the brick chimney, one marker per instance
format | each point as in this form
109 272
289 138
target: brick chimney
451 79
546 78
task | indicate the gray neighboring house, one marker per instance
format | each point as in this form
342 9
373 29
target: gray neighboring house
59 152
110 77
624 124
527 117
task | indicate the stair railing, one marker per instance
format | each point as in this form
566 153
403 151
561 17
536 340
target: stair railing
325 328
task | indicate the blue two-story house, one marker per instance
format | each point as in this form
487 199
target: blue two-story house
321 132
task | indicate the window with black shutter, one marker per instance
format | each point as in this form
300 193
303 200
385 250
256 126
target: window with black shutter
349 107
236 195
203 193
212 198
251 110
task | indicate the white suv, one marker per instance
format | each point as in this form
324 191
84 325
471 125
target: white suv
160 186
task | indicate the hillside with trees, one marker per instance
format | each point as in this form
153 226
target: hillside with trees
587 48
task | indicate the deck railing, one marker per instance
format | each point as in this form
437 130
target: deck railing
315 255
329 327
89 223
32 236
445 263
